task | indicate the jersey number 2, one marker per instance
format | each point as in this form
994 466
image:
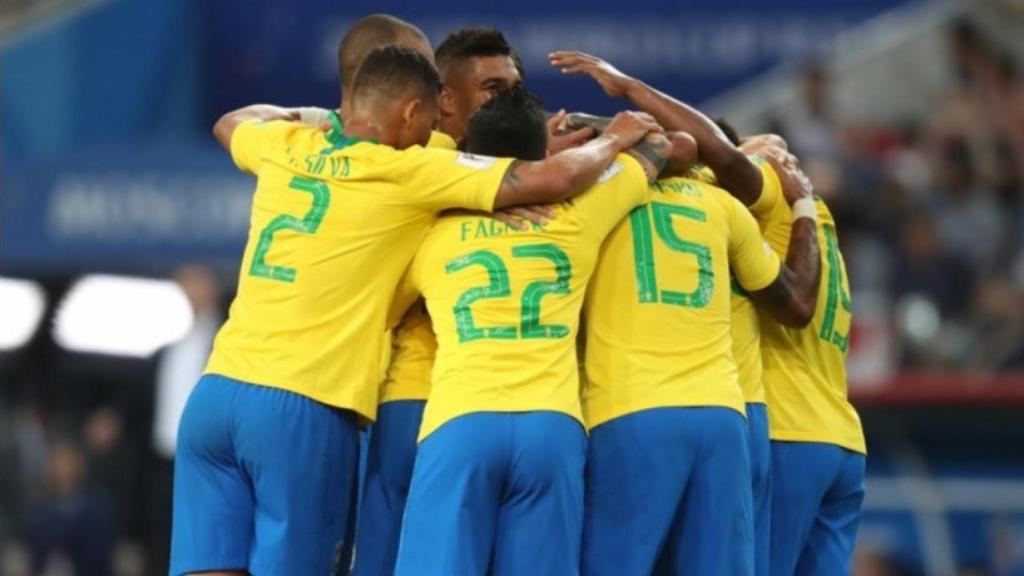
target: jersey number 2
308 224
500 287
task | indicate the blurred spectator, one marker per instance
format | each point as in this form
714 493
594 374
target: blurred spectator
76 522
178 368
970 223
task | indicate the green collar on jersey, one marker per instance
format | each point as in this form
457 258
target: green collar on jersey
336 135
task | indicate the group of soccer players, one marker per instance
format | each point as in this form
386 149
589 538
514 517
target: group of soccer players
635 366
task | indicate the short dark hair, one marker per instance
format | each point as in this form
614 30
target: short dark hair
729 130
467 43
364 37
392 71
512 123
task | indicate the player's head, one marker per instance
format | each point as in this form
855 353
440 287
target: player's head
512 123
396 90
475 64
371 33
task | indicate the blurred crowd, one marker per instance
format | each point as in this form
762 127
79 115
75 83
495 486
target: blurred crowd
931 213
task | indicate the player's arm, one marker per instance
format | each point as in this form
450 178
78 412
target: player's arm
660 155
734 171
225 126
571 172
793 297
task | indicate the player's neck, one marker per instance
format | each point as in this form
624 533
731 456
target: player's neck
364 128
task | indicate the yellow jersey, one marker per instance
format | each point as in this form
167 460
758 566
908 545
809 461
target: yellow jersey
805 369
505 304
658 309
410 357
413 346
335 222
745 327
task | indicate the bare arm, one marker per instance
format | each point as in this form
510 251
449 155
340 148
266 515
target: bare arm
225 126
734 171
571 172
661 155
793 297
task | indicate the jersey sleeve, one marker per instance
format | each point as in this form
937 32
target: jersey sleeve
254 140
771 198
751 260
622 187
438 179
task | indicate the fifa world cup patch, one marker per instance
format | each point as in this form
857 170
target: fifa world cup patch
610 171
475 161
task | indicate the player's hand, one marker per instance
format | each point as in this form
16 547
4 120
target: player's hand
754 145
795 183
516 217
559 138
628 128
610 78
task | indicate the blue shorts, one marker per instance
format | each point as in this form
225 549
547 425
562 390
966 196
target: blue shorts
817 491
496 493
761 479
263 481
668 492
389 461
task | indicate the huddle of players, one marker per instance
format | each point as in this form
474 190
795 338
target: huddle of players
479 458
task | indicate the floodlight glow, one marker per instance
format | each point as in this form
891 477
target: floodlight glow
22 303
122 316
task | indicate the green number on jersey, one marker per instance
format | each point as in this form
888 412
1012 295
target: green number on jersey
643 254
499 287
309 224
530 323
837 295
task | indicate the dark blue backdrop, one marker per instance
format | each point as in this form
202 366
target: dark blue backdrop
107 160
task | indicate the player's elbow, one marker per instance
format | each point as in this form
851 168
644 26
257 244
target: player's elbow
800 315
222 130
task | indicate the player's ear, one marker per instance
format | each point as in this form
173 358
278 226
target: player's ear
410 109
447 101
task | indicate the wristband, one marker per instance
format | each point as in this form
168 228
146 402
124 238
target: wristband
805 208
312 115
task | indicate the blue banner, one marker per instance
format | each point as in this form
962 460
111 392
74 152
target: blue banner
287 53
141 208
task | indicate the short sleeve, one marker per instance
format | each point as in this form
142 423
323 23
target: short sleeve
622 187
771 198
253 140
751 260
437 179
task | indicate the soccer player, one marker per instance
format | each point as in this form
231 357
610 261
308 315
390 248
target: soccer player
475 64
268 438
818 449
498 479
661 372
729 167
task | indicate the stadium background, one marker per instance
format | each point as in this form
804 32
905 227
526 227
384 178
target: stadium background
909 116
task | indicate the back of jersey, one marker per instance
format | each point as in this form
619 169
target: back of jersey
658 308
505 304
805 369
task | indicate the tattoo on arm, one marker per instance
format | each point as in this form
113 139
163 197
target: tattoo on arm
511 179
793 296
652 152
